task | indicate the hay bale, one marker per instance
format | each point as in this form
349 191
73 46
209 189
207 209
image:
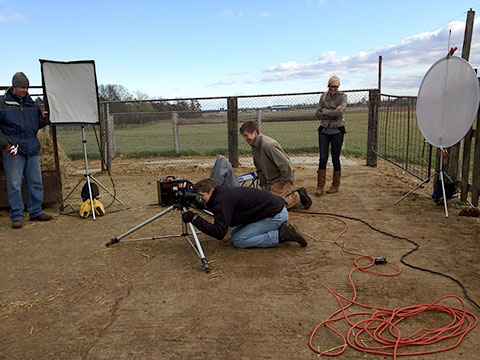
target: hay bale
47 157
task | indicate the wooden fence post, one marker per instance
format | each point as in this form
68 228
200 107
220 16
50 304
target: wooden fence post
176 137
259 120
110 132
454 151
103 133
232 118
476 166
372 137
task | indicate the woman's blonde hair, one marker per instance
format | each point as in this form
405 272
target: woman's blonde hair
334 80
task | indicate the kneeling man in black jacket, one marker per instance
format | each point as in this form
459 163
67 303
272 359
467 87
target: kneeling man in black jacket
257 218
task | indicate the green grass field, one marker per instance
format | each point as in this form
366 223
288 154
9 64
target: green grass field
289 128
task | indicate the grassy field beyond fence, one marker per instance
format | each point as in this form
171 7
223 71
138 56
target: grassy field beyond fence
210 138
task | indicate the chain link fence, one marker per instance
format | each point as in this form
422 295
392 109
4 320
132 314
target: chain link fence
199 126
399 139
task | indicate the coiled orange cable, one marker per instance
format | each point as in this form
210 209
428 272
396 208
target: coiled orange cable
382 325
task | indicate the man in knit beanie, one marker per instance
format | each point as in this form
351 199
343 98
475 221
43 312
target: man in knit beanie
20 120
20 80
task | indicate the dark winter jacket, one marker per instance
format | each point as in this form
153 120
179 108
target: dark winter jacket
20 119
232 206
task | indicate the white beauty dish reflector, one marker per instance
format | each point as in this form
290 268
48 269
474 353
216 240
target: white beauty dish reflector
447 101
70 90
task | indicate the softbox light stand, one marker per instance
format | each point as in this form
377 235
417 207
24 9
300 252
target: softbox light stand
441 175
186 227
71 97
89 178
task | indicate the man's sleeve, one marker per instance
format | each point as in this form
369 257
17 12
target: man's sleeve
4 141
221 222
42 122
260 174
284 164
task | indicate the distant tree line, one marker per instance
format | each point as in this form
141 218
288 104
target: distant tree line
115 92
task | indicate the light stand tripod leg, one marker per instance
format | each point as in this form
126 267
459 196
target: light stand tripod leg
443 187
61 207
87 174
108 191
135 228
415 188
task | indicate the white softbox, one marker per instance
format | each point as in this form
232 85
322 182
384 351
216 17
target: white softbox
70 91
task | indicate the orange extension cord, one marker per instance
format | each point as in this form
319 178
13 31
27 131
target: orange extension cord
382 325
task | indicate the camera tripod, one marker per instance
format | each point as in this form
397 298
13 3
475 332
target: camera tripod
186 227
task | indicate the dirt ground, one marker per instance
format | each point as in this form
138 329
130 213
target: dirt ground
65 295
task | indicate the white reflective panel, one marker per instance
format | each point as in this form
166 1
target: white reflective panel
70 89
447 101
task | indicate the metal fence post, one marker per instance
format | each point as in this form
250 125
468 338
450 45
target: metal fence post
372 137
232 118
176 138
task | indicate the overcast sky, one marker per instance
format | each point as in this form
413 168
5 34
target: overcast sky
222 47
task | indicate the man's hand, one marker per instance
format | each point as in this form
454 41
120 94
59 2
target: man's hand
187 216
12 150
339 107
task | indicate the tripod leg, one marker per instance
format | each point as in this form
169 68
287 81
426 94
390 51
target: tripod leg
61 207
444 194
108 191
135 228
91 197
199 248
415 188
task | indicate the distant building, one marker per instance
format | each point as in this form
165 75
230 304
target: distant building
280 107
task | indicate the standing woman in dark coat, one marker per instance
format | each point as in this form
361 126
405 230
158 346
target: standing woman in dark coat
331 113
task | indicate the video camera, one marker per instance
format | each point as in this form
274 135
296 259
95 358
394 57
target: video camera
178 192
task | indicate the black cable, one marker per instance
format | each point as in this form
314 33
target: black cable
465 292
106 167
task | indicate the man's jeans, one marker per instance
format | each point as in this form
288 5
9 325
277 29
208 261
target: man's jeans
29 168
263 233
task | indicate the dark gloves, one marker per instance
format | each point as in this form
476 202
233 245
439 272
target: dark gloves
187 216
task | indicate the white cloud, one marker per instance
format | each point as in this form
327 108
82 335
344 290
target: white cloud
229 14
265 15
252 81
222 83
11 18
404 63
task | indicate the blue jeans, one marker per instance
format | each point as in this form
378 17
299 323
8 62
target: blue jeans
263 233
324 142
29 168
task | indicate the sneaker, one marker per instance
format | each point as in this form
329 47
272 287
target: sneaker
17 223
304 198
287 232
41 217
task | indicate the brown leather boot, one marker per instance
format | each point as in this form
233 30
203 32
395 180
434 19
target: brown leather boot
321 173
335 182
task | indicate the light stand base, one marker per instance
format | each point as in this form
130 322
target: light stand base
441 175
89 179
